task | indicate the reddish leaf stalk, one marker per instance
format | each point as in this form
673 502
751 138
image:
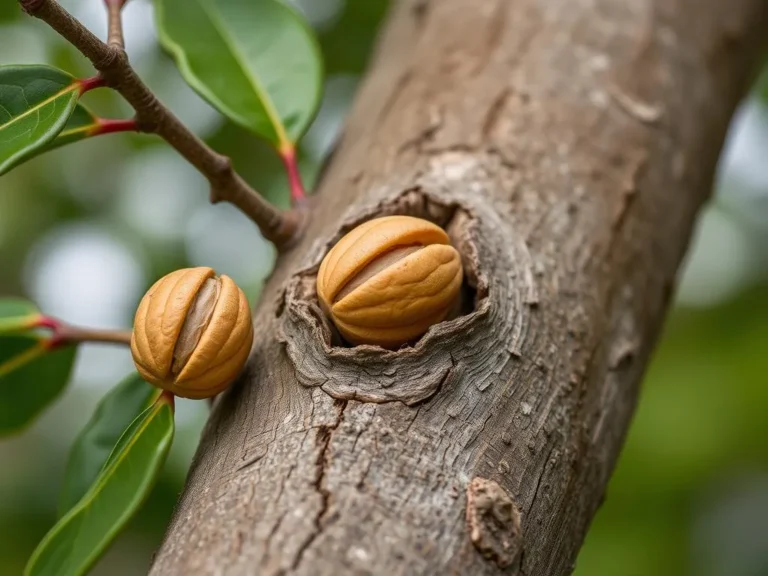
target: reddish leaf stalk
108 126
288 156
88 84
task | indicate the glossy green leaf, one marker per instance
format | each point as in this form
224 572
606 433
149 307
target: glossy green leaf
256 61
31 377
121 406
17 314
81 125
35 105
83 534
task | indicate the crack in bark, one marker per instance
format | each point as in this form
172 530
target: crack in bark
538 482
324 435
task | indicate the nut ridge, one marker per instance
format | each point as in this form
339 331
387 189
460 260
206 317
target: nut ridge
192 333
388 280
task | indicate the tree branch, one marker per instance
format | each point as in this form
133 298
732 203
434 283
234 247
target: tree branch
580 208
115 23
152 116
64 333
67 334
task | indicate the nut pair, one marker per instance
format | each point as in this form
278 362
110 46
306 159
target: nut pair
385 283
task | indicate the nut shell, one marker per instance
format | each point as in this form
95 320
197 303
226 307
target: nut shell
192 333
388 280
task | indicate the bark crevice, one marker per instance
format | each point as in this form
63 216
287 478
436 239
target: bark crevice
323 439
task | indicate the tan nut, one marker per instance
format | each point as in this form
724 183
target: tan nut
388 280
192 333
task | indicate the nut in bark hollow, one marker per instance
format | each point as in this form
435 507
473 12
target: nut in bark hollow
388 280
192 333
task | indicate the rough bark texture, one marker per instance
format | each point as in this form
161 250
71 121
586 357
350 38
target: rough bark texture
574 141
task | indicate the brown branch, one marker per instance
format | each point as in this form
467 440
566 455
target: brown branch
64 333
572 215
115 32
153 117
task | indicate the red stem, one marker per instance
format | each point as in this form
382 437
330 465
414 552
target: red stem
288 156
107 126
47 322
88 84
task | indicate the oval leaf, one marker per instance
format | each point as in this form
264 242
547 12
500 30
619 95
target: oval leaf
83 534
256 61
31 377
17 314
35 104
121 406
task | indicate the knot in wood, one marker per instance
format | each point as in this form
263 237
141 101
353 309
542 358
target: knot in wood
493 522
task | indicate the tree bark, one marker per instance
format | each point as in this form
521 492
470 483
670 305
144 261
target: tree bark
567 145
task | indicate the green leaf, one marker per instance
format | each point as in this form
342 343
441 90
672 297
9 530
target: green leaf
35 104
761 86
256 61
17 314
92 448
31 376
81 125
73 545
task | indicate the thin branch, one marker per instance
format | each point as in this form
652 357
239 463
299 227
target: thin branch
115 28
152 116
67 334
64 333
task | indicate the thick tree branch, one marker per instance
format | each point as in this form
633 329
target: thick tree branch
152 116
570 143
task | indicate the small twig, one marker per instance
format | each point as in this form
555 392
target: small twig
152 116
67 334
115 29
64 333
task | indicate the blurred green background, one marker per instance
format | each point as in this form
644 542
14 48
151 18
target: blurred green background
86 229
